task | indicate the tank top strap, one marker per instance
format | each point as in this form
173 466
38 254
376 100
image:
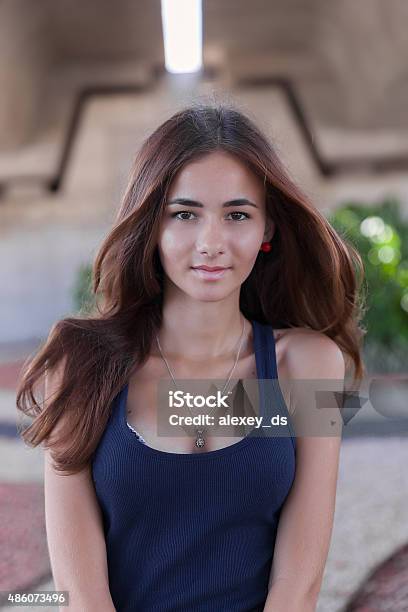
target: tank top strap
265 358
272 402
265 350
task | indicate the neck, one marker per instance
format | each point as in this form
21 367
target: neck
207 332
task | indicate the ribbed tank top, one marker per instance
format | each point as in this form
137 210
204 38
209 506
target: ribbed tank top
195 531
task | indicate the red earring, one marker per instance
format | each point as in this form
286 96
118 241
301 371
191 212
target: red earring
266 247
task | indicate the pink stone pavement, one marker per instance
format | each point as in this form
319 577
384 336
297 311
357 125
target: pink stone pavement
24 560
24 556
386 588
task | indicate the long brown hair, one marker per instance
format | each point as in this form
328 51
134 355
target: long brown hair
311 278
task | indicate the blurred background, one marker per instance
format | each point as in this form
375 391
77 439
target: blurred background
82 84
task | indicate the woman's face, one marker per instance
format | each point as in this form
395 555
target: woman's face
202 225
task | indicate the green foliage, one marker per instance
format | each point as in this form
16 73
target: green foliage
83 297
381 237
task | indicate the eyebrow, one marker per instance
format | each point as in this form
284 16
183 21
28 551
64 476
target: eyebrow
189 202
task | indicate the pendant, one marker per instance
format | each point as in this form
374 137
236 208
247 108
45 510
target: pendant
200 439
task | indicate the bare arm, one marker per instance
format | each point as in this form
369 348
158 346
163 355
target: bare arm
306 521
75 537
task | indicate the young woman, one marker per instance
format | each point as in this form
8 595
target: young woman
196 520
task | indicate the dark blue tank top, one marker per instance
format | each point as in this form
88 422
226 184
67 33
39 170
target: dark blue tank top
195 531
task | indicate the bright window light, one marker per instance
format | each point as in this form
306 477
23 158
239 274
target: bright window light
182 33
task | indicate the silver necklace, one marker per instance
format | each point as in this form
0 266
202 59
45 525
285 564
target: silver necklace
200 440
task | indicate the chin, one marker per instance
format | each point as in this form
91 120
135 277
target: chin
207 294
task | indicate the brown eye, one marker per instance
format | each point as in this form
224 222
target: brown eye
182 212
246 216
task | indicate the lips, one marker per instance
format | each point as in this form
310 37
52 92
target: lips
210 274
209 269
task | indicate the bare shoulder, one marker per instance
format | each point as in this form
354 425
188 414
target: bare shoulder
307 353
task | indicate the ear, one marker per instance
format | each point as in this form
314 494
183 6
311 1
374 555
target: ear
269 230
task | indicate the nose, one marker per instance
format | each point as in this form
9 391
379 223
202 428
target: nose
211 239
